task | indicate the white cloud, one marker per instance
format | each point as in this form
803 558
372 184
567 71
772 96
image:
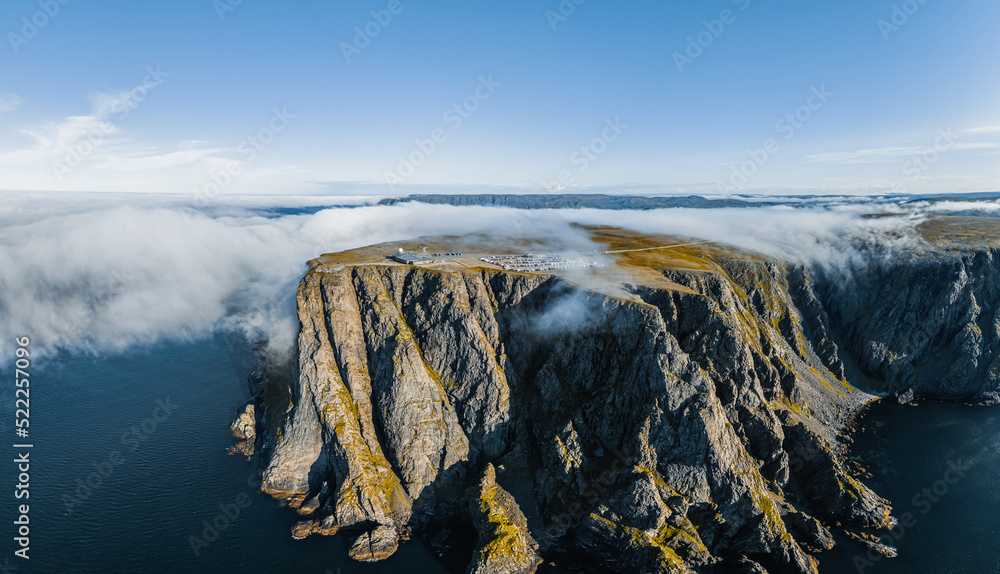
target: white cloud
10 101
160 161
982 130
102 275
942 141
960 206
872 155
53 140
977 145
85 146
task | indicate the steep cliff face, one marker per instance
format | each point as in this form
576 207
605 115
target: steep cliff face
687 430
691 423
929 324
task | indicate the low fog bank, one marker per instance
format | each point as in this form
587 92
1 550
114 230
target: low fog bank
106 275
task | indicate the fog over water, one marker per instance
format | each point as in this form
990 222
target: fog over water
103 274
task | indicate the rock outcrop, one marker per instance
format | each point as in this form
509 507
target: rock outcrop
244 428
687 430
505 542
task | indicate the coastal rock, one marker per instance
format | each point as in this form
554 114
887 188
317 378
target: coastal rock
873 546
905 397
326 526
746 566
378 544
688 429
245 425
826 485
505 544
809 531
244 428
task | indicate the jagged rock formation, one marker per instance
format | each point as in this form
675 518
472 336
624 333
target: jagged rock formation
693 430
245 425
244 428
505 543
929 324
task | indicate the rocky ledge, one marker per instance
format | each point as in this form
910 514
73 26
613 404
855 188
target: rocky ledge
693 427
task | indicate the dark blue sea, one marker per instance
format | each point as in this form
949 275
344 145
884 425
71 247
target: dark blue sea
939 466
165 410
129 463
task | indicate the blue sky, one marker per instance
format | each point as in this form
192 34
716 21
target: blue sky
259 97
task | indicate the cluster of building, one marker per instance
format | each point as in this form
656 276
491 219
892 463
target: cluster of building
414 258
410 258
529 262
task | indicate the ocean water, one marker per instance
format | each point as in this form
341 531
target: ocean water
165 411
173 473
939 466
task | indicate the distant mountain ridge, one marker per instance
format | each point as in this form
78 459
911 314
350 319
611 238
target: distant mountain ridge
642 202
578 201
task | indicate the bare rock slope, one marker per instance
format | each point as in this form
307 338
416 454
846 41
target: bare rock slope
693 430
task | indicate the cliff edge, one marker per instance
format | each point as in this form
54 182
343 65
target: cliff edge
692 423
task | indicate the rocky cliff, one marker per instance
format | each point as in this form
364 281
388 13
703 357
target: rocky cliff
690 428
929 325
